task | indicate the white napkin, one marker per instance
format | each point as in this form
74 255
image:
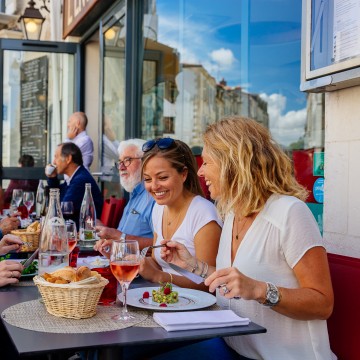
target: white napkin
188 320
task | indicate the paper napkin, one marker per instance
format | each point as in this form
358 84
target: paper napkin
188 320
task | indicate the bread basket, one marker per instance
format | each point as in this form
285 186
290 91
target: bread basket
70 300
30 239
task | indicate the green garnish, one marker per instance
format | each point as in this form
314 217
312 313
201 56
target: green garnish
31 269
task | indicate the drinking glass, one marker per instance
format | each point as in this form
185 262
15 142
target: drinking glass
17 196
67 208
124 264
71 234
28 200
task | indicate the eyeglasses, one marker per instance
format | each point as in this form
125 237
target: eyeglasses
126 162
162 144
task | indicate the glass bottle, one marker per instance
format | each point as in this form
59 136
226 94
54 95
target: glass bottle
40 200
87 220
53 248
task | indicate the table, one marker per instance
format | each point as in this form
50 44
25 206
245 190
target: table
32 344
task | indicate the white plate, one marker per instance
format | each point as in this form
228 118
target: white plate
96 261
189 299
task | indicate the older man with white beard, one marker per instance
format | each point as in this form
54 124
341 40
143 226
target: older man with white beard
136 220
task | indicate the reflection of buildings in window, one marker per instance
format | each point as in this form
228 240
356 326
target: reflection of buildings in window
315 121
169 125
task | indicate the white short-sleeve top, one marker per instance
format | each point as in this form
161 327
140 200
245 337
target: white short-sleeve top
277 239
200 212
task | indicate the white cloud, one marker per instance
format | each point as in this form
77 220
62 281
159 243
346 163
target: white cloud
223 57
285 128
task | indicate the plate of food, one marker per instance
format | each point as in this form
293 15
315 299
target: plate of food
30 271
169 298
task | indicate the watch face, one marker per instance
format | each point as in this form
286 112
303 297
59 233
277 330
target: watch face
273 296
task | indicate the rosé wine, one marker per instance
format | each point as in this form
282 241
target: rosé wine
124 271
71 243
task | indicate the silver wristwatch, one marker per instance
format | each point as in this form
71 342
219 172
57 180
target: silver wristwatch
123 236
273 295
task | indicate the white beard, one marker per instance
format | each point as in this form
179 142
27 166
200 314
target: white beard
129 183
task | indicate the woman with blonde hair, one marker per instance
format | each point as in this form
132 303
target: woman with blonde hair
181 212
271 264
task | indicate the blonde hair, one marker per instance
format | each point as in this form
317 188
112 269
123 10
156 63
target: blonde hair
252 165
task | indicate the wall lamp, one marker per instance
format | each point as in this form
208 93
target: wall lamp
31 22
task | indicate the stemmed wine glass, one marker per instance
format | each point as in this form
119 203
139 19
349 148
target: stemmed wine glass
67 208
28 200
124 264
17 196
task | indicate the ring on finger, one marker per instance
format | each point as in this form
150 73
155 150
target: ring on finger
225 289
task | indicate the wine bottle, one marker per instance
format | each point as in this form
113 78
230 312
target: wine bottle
40 200
87 219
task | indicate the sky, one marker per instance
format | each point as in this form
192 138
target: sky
265 59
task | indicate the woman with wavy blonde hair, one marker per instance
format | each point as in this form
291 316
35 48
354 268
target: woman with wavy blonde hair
271 264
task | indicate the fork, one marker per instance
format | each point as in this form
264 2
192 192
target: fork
147 248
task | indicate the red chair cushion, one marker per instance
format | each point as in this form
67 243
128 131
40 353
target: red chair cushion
344 323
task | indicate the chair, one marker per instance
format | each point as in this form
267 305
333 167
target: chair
113 209
343 324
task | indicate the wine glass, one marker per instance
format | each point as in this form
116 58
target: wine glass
67 208
124 264
28 200
17 196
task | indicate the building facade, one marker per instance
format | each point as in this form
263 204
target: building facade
152 68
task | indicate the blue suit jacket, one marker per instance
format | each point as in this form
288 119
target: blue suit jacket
75 191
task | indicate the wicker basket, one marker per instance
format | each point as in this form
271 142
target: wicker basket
70 300
30 239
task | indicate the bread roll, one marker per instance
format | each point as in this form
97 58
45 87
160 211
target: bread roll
67 273
83 272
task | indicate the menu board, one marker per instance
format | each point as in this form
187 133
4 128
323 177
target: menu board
33 111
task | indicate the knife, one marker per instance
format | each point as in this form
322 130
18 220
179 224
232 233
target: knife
30 259
197 279
193 277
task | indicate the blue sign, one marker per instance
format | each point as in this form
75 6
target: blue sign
318 190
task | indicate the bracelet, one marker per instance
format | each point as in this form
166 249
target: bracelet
202 268
204 274
171 278
194 268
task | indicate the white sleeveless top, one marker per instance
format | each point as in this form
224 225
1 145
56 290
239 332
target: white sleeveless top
200 212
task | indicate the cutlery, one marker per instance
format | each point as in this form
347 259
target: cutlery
197 279
30 259
146 249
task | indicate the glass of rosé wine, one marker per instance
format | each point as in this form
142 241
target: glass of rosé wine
124 264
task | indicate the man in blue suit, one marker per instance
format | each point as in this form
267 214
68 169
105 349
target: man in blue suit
68 161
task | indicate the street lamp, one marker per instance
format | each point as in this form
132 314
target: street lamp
31 22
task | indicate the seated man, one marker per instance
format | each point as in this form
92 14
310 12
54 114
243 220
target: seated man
136 220
68 161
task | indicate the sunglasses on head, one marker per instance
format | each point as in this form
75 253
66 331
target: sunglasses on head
162 144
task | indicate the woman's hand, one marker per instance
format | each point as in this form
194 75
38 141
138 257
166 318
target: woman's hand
177 254
10 243
10 272
150 269
232 283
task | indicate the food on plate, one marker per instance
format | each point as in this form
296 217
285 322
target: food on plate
34 227
31 269
165 295
146 295
68 274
